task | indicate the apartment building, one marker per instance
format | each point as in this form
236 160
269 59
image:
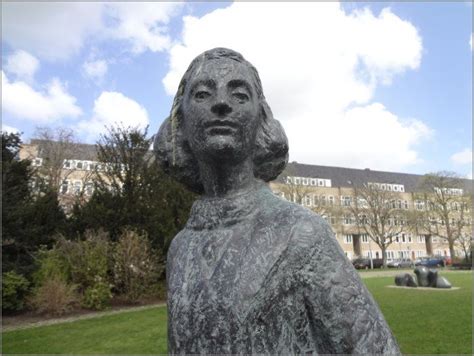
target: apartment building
329 191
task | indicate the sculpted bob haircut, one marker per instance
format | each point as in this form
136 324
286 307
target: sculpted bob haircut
172 151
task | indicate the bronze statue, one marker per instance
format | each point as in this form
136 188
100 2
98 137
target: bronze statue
252 273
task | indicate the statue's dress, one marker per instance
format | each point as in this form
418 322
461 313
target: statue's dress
257 274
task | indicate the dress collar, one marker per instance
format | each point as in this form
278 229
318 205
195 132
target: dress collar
211 213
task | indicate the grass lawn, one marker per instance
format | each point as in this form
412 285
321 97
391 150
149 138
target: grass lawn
424 322
140 332
428 322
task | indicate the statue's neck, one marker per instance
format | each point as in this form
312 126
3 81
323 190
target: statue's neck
222 179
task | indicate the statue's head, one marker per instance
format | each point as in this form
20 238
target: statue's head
220 114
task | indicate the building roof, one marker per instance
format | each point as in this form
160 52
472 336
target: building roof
339 176
80 151
349 177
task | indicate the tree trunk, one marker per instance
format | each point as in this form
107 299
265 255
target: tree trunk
451 248
384 256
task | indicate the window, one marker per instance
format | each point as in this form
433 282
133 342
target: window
409 238
37 162
421 239
307 200
79 165
67 164
77 187
313 181
401 188
304 181
320 183
405 204
365 238
297 180
316 200
327 182
346 200
331 200
347 220
89 188
419 205
322 200
347 239
64 187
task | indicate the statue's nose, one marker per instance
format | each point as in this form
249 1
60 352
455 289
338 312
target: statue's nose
221 108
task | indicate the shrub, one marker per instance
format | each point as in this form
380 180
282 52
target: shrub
54 296
137 267
82 263
86 260
14 291
51 264
97 296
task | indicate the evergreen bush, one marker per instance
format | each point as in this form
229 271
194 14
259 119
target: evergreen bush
14 291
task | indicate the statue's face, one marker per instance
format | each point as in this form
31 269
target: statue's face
221 111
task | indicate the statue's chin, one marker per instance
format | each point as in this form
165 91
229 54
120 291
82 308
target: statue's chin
223 148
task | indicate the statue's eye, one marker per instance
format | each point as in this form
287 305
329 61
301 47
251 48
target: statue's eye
202 94
241 97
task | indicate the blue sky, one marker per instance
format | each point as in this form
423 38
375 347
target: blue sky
380 85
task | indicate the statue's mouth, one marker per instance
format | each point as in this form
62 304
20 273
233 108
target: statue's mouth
220 127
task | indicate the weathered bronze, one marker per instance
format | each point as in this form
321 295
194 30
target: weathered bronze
252 273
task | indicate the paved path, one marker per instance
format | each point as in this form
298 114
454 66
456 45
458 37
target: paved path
27 324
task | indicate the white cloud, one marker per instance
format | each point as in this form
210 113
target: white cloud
9 129
462 157
22 64
95 69
51 30
57 31
144 25
111 109
40 106
320 68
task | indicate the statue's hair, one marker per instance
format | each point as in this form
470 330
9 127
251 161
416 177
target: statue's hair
270 154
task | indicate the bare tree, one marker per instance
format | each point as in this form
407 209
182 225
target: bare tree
59 149
445 208
293 187
54 147
377 214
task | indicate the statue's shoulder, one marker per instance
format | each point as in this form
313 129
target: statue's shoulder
302 225
177 244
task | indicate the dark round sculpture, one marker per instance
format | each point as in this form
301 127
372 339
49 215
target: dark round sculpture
429 278
252 273
405 280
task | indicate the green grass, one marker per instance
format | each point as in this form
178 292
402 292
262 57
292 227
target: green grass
428 322
140 332
424 322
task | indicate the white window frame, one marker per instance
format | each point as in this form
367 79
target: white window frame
348 238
